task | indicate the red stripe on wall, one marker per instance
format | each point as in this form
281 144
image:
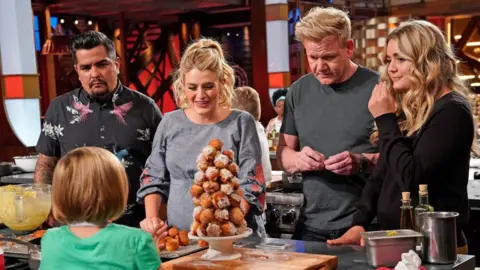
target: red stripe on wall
13 87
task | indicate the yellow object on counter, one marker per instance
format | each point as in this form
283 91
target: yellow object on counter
391 233
25 207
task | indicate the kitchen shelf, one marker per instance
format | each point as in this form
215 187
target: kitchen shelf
370 39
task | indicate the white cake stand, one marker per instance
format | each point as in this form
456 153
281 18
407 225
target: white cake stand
221 248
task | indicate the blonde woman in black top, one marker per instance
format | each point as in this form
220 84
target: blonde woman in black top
425 131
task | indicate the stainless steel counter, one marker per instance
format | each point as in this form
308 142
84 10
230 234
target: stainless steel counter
16 179
353 257
349 257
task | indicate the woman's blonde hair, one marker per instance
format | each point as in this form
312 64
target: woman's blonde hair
247 99
89 185
320 22
434 66
205 54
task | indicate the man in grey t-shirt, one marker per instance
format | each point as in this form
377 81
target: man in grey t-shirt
327 125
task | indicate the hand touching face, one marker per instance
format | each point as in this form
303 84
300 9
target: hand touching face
382 101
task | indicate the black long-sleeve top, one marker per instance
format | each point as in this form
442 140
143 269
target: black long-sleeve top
438 155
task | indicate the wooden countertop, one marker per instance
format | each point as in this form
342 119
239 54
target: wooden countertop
263 261
349 256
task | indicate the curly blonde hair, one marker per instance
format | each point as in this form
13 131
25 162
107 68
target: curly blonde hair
205 54
320 22
434 66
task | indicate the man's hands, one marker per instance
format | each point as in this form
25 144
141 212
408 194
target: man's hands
309 160
345 163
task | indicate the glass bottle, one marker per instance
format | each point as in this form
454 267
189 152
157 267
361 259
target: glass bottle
275 140
270 142
406 212
272 136
423 206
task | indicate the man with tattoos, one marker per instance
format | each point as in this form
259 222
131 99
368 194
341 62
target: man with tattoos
102 113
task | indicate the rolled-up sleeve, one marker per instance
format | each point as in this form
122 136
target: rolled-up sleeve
252 180
155 178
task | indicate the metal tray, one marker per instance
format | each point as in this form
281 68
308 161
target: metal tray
181 251
379 235
385 250
17 250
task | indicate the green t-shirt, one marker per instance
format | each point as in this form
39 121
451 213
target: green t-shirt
113 247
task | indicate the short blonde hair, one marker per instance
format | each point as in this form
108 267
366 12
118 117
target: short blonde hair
205 54
89 185
247 99
320 22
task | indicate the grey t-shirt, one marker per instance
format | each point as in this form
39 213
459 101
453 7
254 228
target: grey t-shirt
171 167
331 119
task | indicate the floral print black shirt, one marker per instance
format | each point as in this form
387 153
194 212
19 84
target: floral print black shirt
124 124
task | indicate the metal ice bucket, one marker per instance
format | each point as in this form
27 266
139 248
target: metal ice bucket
440 237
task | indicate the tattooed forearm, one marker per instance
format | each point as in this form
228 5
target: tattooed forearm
44 169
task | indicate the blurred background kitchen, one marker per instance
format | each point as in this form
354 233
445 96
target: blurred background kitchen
150 35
